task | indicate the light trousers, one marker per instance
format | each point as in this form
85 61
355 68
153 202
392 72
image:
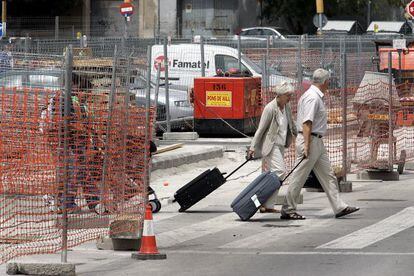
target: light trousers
318 161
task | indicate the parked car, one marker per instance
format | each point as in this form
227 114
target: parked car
277 32
181 111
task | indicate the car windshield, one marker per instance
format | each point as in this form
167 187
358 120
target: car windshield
33 81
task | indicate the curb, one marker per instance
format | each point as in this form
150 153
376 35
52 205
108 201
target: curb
65 269
165 162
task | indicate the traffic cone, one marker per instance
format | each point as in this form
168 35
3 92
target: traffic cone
148 250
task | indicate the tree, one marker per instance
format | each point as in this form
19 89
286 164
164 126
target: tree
298 14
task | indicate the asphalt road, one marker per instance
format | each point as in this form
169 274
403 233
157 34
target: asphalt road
210 240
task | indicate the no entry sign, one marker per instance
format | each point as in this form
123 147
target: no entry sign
410 9
126 9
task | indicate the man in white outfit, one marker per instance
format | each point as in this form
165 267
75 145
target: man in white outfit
312 126
275 133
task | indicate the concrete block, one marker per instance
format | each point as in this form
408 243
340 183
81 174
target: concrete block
64 269
378 175
281 196
180 136
124 229
345 186
189 157
143 257
126 244
104 243
409 166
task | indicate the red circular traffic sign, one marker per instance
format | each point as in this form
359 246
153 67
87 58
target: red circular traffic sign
126 9
410 8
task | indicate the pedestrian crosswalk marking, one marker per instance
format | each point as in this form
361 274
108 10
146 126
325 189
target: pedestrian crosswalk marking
374 233
285 253
211 226
263 239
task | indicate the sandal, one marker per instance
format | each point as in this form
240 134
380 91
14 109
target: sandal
268 210
292 216
348 210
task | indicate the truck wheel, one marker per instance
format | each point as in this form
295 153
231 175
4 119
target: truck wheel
155 205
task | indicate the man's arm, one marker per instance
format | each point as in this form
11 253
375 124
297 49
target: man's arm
307 130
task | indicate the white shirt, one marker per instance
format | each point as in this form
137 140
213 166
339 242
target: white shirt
283 127
312 108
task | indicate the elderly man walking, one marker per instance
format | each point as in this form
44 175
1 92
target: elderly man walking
312 126
275 133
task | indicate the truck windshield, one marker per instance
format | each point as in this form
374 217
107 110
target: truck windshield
251 64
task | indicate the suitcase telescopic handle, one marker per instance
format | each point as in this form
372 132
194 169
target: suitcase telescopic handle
244 163
297 165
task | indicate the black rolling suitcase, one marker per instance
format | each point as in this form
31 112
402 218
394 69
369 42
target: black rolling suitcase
313 182
245 205
200 187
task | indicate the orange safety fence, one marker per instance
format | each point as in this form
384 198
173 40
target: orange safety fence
102 166
367 116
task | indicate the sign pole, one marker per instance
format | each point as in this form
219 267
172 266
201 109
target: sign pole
4 17
320 11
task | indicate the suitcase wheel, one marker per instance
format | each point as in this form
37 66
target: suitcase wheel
155 205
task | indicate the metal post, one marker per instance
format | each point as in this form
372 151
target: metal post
159 19
67 110
203 65
26 44
320 23
264 83
267 47
359 46
126 125
323 52
108 127
239 51
157 85
390 103
344 116
122 44
342 45
167 86
399 66
299 61
56 27
369 13
126 27
147 121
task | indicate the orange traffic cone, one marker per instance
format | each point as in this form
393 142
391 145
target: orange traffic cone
148 250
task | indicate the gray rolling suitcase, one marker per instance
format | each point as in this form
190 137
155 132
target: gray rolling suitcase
245 205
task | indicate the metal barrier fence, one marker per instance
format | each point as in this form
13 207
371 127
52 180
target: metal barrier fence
369 106
74 152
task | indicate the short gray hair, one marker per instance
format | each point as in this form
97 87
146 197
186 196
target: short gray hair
283 88
320 76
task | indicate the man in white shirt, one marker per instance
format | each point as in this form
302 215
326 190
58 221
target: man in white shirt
312 125
275 133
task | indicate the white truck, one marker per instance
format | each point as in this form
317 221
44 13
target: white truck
185 63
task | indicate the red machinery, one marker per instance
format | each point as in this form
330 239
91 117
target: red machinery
227 105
